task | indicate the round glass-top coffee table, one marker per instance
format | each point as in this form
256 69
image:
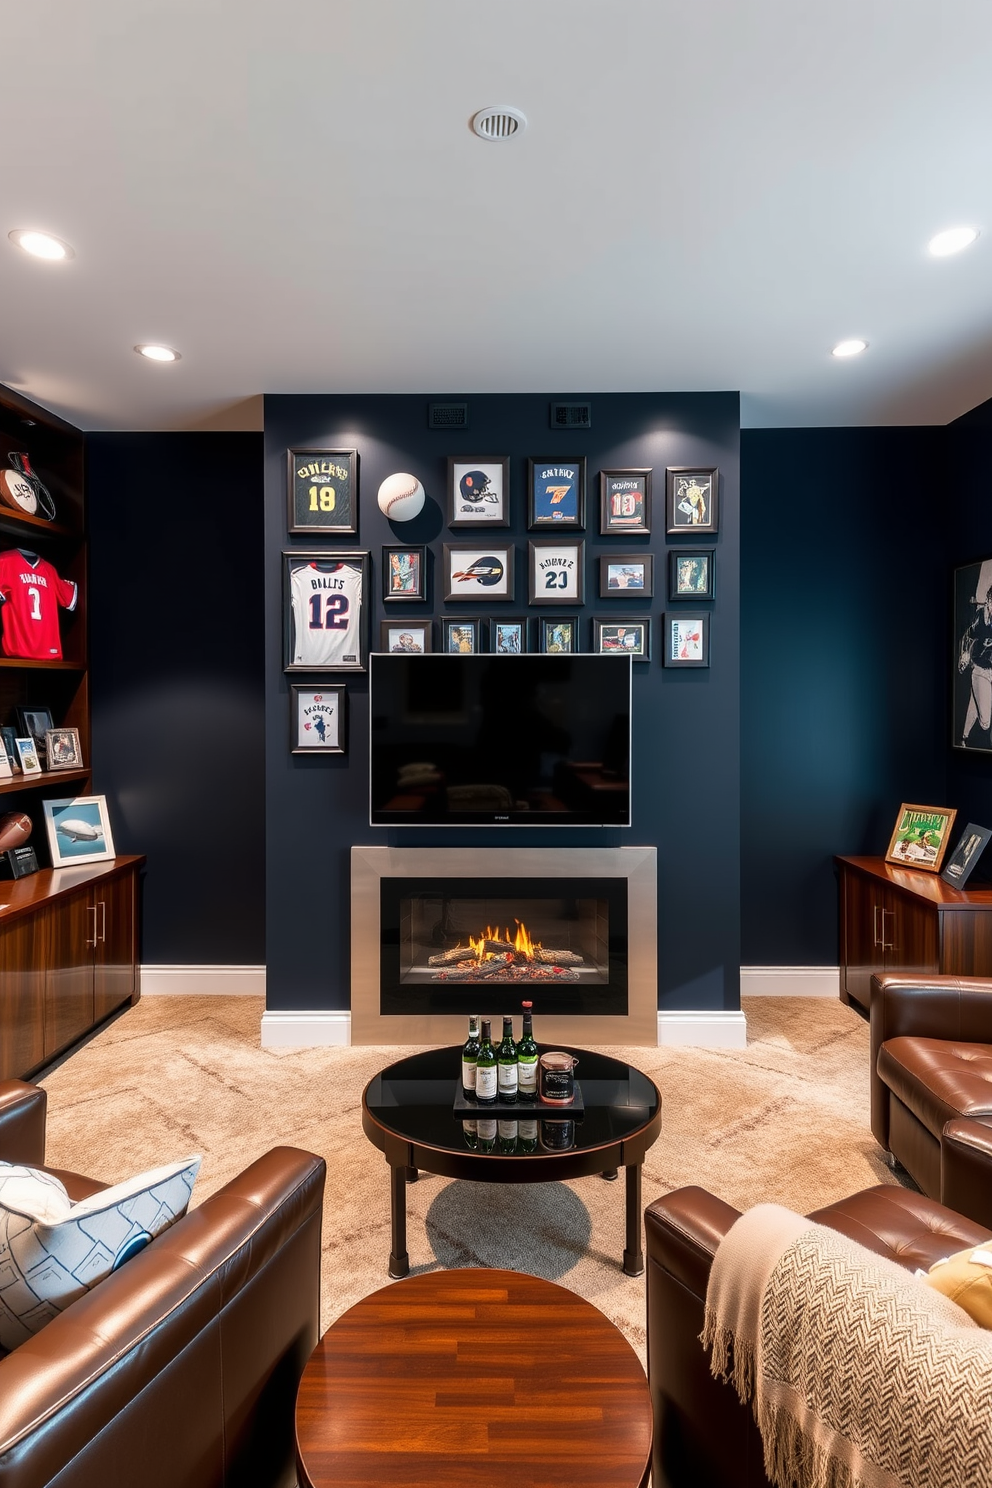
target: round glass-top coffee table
407 1112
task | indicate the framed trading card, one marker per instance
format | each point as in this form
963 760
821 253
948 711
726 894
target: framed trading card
325 600
690 574
78 830
27 754
323 491
626 576
625 500
508 637
971 662
318 719
404 574
556 571
461 637
559 634
687 640
478 491
6 769
412 636
63 749
629 637
478 571
691 499
34 723
921 836
556 493
964 859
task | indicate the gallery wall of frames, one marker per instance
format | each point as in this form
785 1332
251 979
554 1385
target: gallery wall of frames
510 536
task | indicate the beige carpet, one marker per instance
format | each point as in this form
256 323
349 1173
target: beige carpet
785 1120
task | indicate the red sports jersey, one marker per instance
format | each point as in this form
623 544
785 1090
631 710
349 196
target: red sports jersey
31 592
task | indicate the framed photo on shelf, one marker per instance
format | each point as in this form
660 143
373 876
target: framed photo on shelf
478 491
691 499
78 830
318 719
10 748
559 634
971 668
460 637
508 637
63 749
325 600
323 491
478 571
687 641
921 836
625 500
27 754
404 574
411 636
690 573
964 859
626 575
629 637
34 723
556 493
556 571
6 768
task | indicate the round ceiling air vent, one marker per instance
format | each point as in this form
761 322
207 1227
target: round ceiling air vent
498 123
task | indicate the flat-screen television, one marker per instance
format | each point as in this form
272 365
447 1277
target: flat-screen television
516 741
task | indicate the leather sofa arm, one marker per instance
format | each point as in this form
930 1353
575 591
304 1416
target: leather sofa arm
966 1168
683 1230
23 1109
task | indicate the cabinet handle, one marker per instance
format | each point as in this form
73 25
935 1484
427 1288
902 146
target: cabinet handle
92 909
874 926
103 921
887 945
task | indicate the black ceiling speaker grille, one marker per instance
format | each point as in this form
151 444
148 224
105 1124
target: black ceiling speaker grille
447 415
571 415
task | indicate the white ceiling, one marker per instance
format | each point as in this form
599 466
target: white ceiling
709 195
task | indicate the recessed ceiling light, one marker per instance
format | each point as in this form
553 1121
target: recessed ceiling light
498 123
39 244
156 353
952 241
850 348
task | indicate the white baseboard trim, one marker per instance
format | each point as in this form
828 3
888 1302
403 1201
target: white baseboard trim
705 1029
790 981
304 1030
203 981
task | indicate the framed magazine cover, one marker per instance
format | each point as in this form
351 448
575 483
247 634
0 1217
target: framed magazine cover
412 637
630 636
325 606
691 499
404 574
460 637
921 836
559 634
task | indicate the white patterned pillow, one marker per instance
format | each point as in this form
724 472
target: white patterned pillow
52 1250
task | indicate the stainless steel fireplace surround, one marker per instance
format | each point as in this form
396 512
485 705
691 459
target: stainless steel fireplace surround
628 880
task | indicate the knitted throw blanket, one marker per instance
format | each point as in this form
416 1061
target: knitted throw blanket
860 1375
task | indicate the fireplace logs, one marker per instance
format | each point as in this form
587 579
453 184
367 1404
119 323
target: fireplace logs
497 957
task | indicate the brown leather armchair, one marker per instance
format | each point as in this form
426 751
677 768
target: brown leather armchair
182 1367
703 1436
931 1085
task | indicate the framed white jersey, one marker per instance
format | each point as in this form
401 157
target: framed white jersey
326 602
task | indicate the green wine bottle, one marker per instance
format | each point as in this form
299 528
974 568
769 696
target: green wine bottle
528 1135
527 1058
506 1137
485 1068
487 1134
470 1054
506 1056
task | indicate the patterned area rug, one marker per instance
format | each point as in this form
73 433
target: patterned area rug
785 1120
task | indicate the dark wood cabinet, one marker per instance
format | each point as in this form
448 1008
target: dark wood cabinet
900 920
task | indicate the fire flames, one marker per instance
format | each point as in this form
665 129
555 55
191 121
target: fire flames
522 942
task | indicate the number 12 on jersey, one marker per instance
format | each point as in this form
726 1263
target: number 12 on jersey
326 600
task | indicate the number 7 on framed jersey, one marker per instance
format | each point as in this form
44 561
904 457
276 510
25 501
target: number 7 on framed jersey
326 603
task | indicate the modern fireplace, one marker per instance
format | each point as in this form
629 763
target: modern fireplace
438 933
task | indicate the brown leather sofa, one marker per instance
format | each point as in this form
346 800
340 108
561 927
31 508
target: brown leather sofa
181 1368
931 1085
704 1437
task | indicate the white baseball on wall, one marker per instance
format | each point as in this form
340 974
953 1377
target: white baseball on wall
401 497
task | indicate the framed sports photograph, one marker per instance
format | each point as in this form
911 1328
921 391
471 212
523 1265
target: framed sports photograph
556 493
318 719
559 634
63 749
34 723
508 637
556 572
78 830
405 635
629 637
323 491
971 671
625 500
691 498
690 574
687 641
325 602
921 836
460 637
964 859
478 571
404 574
626 576
478 491
27 754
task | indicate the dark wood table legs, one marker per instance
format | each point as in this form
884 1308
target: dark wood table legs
399 1260
633 1256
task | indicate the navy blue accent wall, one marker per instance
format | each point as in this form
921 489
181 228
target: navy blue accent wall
177 687
967 481
844 622
685 724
